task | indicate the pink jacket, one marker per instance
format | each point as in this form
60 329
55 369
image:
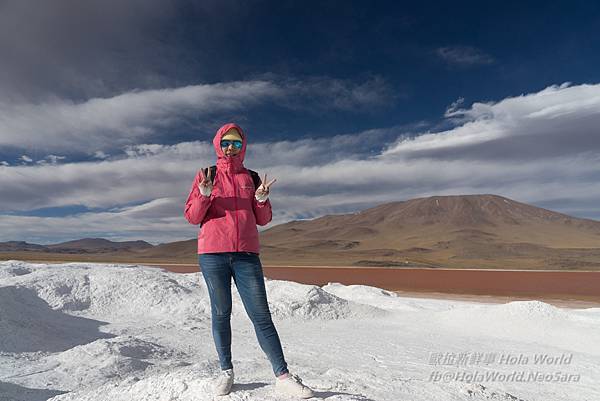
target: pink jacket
230 215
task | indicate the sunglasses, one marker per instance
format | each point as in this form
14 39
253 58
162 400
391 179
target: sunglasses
237 144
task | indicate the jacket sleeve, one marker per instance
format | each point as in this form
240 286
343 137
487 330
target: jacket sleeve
197 204
262 211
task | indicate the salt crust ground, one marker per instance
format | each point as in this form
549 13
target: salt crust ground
82 331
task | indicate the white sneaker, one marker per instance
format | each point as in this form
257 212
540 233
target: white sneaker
292 385
224 382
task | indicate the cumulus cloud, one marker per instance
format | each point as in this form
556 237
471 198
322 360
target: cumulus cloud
538 148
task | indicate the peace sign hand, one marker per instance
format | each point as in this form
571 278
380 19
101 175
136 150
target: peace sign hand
205 185
262 192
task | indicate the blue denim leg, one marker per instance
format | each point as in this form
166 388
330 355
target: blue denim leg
216 270
250 282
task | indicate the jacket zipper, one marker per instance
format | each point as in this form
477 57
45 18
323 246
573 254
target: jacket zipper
237 226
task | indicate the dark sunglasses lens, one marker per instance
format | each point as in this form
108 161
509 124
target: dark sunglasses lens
236 144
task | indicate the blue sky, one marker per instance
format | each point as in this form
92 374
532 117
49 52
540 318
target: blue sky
107 109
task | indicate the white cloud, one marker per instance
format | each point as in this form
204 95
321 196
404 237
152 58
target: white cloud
101 124
535 148
113 225
51 159
450 111
125 119
559 120
100 155
463 55
331 93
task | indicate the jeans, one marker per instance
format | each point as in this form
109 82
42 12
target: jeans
246 270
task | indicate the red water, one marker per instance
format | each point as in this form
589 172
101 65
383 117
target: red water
549 284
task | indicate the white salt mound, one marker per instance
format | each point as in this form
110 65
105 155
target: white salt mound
29 324
125 292
527 321
374 296
305 301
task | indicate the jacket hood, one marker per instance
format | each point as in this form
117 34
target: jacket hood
233 162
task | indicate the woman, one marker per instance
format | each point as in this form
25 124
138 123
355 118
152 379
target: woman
228 208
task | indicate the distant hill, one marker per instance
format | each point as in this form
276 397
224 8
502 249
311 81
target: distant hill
175 251
16 246
457 231
99 245
85 245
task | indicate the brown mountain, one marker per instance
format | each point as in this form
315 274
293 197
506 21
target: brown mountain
475 231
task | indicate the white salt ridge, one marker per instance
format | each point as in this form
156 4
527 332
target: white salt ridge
27 323
389 300
305 301
13 269
532 321
164 296
127 332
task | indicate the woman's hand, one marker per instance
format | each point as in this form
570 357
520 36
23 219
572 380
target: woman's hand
205 185
262 192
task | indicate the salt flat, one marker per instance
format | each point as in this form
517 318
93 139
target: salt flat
84 331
